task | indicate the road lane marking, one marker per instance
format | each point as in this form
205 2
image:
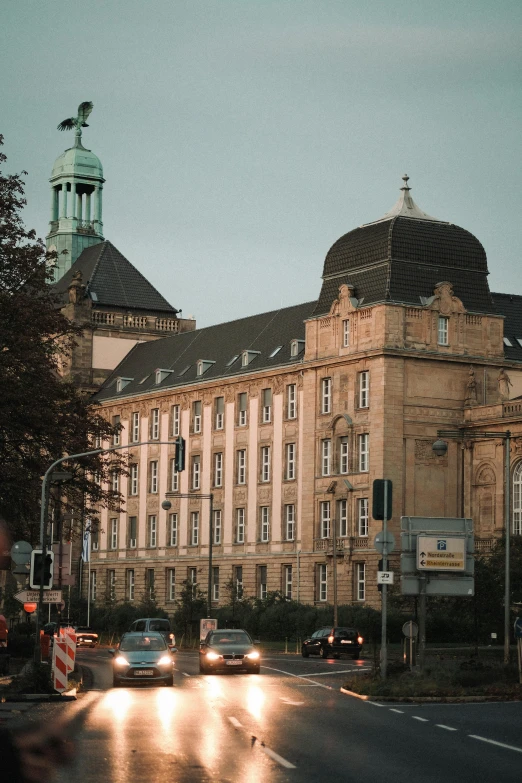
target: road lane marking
416 717
325 674
493 742
235 722
442 726
289 701
297 676
401 712
375 703
185 674
277 757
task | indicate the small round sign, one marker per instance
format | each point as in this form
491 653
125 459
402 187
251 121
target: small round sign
21 552
30 607
410 630
382 538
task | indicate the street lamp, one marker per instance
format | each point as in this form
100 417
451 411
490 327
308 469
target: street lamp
440 447
199 496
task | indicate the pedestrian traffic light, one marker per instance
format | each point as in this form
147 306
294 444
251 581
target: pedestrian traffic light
41 566
179 459
380 487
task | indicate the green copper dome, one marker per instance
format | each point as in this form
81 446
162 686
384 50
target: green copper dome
77 161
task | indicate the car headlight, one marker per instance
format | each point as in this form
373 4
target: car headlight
212 656
121 661
165 660
253 655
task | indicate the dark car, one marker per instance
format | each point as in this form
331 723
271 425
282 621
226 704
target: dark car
85 637
228 650
333 642
142 657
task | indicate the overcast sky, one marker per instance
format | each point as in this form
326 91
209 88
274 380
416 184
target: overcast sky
241 138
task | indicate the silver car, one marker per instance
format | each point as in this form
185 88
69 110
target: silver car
142 657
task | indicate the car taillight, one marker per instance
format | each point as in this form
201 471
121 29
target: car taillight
171 636
360 639
330 640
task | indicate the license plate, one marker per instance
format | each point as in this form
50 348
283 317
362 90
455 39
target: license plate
346 641
144 673
234 663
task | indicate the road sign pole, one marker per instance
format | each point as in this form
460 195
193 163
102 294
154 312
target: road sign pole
422 621
507 587
384 649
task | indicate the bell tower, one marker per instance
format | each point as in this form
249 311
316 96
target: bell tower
76 197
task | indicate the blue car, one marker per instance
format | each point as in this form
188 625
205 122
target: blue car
142 657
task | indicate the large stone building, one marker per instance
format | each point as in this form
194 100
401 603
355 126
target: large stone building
290 415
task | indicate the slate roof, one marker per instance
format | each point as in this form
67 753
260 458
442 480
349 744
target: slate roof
510 306
219 344
114 281
402 259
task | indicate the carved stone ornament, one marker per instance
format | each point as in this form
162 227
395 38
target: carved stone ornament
445 301
184 401
277 384
504 383
471 388
345 302
229 393
300 381
485 475
76 288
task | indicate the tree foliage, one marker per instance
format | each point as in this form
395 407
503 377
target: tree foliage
42 415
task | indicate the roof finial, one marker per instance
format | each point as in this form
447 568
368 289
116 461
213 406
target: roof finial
405 180
78 122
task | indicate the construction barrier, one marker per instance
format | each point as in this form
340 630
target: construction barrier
60 663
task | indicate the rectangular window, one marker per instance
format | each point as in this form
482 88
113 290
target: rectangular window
130 584
242 409
346 333
153 530
289 521
325 518
192 575
111 584
342 518
217 526
261 578
95 538
364 389
116 438
194 528
150 584
174 476
133 525
173 530
241 466
266 395
196 472
326 395
291 401
93 586
364 453
113 533
115 481
171 584
219 411
133 483
343 455
196 417
238 580
154 424
153 477
215 583
322 582
218 469
175 420
443 330
265 463
362 517
240 525
287 581
326 457
290 461
264 523
360 581
135 427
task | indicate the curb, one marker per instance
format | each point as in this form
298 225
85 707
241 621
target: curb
70 696
361 696
429 699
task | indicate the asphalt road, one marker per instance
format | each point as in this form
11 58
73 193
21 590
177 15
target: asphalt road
290 723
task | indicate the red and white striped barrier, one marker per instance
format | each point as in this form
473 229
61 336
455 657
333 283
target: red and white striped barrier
70 639
60 658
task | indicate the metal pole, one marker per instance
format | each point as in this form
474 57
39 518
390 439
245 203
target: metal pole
507 509
422 622
334 565
210 542
384 649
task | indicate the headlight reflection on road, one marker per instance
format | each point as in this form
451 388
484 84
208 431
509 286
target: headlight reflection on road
255 701
166 704
118 702
214 687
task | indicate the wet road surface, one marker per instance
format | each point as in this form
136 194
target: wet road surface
290 723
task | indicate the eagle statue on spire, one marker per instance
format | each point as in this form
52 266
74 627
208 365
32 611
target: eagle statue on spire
84 109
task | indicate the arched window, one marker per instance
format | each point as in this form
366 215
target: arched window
517 499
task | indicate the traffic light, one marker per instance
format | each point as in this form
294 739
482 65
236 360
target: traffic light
179 459
380 486
38 562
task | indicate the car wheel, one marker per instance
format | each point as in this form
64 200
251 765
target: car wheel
304 652
323 652
169 681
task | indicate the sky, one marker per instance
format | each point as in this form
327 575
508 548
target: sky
241 138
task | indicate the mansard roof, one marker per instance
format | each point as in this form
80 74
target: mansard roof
219 348
510 306
112 281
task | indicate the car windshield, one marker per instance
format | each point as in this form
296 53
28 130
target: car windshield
230 637
82 629
159 625
142 644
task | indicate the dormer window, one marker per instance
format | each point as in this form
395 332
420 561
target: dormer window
296 346
508 342
161 375
248 356
443 330
121 383
185 369
203 365
232 360
275 352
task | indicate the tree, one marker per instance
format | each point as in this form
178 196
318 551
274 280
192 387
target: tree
191 607
42 416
